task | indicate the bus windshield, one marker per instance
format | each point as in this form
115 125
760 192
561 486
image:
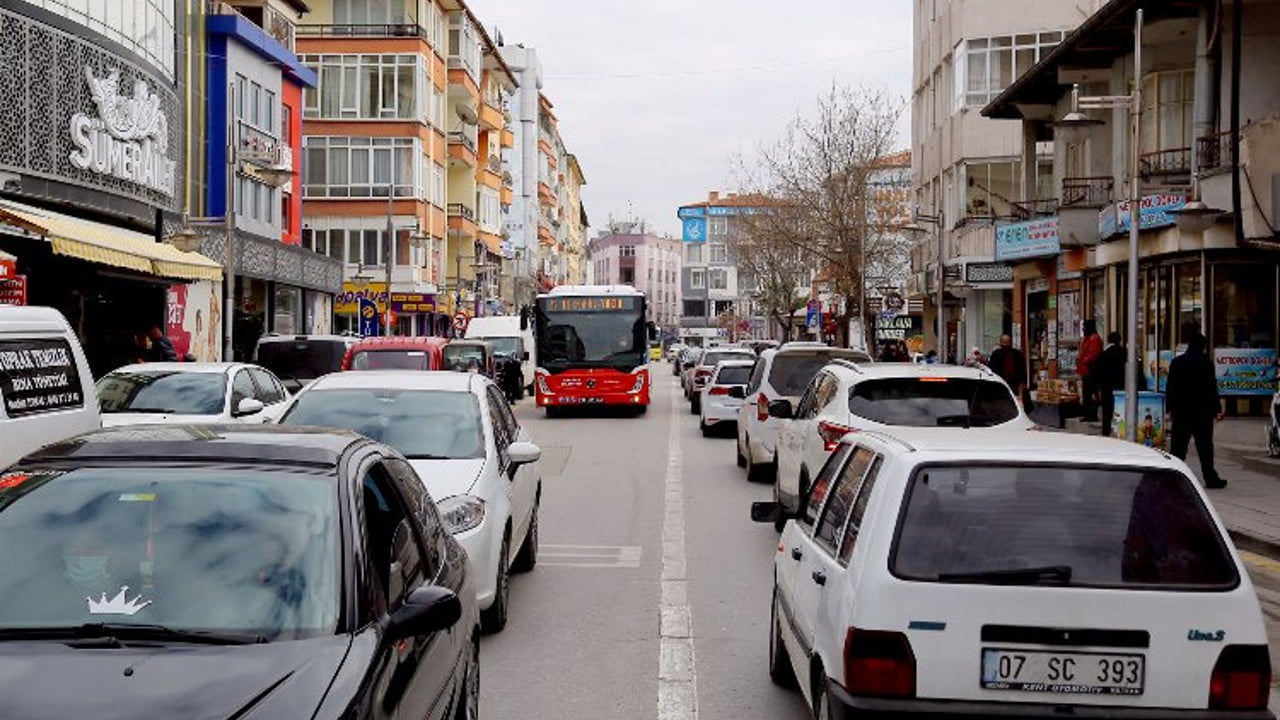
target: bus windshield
614 338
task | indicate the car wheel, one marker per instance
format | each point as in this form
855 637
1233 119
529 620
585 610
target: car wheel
519 394
742 459
821 705
695 405
554 412
494 619
761 472
705 428
780 670
469 708
527 558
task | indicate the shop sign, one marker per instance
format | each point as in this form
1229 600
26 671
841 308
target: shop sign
129 138
14 290
1245 371
347 302
690 212
893 301
987 273
369 316
1156 211
8 267
1153 421
412 303
694 229
1033 238
898 327
38 376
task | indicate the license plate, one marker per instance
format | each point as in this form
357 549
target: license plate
1072 673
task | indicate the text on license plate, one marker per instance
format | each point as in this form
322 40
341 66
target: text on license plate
1077 673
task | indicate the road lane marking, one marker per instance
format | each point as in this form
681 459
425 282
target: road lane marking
677 664
1261 562
589 556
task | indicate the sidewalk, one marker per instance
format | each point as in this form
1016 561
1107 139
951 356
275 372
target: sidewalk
1250 504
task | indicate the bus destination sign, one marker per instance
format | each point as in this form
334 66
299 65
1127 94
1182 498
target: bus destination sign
589 304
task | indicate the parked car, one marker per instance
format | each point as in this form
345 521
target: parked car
396 353
230 571
470 355
299 359
759 346
461 438
705 365
684 365
512 338
939 572
190 393
778 374
45 382
845 396
723 394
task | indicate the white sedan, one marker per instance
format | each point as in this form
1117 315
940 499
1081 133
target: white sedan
169 393
458 433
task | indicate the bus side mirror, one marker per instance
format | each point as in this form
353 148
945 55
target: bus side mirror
652 330
524 318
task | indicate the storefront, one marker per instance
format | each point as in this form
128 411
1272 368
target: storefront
988 309
414 314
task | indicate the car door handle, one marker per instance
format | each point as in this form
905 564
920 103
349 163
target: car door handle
819 577
796 554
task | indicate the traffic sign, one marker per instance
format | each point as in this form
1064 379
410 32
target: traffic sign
460 322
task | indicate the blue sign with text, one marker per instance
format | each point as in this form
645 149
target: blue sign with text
690 212
1154 212
1034 238
695 230
369 318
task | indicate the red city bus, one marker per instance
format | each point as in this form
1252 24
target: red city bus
592 347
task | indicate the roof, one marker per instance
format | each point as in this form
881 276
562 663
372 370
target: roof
183 367
1097 43
396 379
743 200
212 443
591 290
20 318
398 342
917 370
307 338
1023 445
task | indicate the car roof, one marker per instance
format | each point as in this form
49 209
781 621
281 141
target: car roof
267 339
871 371
736 363
209 443
20 318
398 379
398 342
926 444
183 367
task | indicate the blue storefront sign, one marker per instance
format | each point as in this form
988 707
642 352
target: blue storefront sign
369 325
1030 239
695 229
1154 212
690 212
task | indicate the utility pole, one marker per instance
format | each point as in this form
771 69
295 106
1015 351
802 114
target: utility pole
388 245
229 220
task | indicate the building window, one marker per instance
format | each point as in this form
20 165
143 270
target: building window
361 167
1166 110
489 210
464 44
627 276
984 67
693 252
361 240
144 27
697 279
367 87
990 189
695 308
718 225
627 251
719 253
719 279
363 12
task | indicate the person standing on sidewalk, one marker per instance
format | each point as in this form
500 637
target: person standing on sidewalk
1009 363
1087 369
1191 396
1109 372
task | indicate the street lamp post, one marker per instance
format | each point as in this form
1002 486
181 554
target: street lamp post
915 231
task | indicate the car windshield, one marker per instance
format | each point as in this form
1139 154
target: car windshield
213 548
734 375
423 424
930 402
614 338
792 371
1113 527
391 360
172 392
504 345
301 359
463 357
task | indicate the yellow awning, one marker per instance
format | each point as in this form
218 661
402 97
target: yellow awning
109 245
492 242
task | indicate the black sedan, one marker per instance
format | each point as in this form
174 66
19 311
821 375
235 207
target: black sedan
208 573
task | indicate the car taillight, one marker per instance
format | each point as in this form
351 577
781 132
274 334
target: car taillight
1241 678
762 407
879 664
699 374
831 433
718 390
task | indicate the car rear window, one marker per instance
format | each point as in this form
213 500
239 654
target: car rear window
1059 524
714 358
301 359
390 360
930 402
734 375
792 371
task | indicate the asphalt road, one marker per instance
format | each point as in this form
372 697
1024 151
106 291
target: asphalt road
591 626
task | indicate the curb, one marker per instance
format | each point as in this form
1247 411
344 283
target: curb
1255 544
1261 464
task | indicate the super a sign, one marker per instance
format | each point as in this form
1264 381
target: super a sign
38 376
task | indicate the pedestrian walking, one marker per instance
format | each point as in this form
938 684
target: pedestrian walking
161 349
1191 396
1109 371
1010 364
1086 368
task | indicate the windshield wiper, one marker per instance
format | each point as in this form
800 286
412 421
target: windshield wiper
121 633
427 456
1046 575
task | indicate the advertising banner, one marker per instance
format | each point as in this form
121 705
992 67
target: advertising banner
347 302
695 229
412 303
14 290
1153 423
1245 371
1154 212
38 376
1034 238
369 316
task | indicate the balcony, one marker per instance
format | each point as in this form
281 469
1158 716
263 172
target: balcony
508 139
462 149
276 24
1171 166
1215 154
490 117
347 31
1087 192
462 220
1032 209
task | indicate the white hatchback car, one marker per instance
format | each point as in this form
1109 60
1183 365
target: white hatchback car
477 463
723 394
705 365
170 393
779 374
845 396
1008 574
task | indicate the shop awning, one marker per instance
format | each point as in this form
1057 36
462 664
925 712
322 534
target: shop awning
492 242
108 245
8 265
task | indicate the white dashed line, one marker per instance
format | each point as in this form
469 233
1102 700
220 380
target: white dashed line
677 666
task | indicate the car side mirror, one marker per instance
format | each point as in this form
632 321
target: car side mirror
428 609
523 453
249 406
781 409
768 512
738 392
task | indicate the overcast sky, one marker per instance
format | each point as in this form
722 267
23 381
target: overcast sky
657 97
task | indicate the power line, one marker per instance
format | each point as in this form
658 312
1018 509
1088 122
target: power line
720 71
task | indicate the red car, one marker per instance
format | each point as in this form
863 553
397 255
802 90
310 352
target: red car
396 353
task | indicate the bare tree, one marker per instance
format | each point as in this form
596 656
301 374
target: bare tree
769 258
819 175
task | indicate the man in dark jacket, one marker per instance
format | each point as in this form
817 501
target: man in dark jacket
1009 363
1109 372
1191 397
162 349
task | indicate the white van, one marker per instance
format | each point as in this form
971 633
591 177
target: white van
506 336
46 388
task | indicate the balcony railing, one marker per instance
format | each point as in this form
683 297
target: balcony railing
1087 191
1215 153
391 30
460 210
1165 163
1032 209
463 139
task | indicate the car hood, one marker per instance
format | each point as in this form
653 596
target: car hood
249 682
118 419
446 478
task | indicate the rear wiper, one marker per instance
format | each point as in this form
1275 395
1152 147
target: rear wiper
1047 575
427 456
124 632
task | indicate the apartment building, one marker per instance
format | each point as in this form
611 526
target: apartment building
716 301
1208 135
628 254
969 171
